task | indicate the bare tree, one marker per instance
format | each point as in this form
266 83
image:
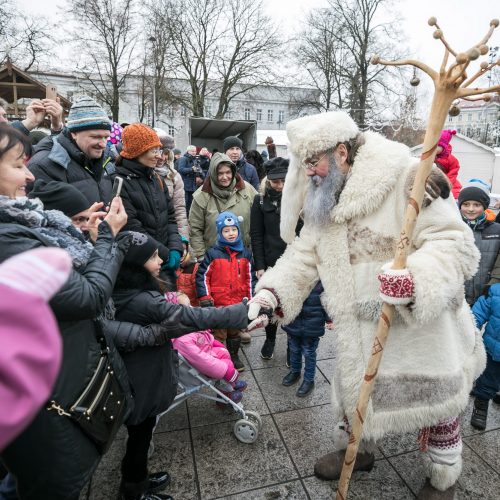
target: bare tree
24 38
336 47
247 52
108 45
221 48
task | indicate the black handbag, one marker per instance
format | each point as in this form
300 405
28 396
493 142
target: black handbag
104 404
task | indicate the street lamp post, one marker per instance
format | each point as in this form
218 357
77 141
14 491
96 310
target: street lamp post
152 40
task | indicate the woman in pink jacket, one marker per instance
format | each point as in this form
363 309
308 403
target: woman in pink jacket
209 356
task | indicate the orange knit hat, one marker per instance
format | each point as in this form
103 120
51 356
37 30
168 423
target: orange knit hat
137 138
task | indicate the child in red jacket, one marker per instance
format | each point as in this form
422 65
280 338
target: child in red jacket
226 276
447 162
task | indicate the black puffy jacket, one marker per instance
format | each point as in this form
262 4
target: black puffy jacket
267 245
153 370
487 239
52 458
149 207
58 158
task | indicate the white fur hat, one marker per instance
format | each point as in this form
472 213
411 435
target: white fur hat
308 136
317 133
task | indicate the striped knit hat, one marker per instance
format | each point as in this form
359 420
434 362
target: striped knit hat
86 114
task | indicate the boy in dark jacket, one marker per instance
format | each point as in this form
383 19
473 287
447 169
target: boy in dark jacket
303 339
473 200
226 276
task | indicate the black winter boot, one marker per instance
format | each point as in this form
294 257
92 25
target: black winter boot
140 491
233 346
496 398
479 414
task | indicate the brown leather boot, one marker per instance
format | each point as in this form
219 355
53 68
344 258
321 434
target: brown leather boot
329 466
428 492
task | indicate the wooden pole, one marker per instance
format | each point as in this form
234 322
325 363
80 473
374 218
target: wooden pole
447 88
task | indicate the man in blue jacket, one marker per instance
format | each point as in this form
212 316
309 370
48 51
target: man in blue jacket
191 172
232 147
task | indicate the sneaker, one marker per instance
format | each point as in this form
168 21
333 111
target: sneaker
267 351
235 397
240 385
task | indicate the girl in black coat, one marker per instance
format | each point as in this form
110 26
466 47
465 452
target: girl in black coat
267 245
153 370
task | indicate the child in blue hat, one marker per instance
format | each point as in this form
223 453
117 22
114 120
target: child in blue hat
226 276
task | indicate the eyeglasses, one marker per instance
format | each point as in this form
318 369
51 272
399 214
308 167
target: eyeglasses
156 152
313 165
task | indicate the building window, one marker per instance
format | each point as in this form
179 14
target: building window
229 114
259 115
281 116
208 111
269 115
183 110
247 113
170 111
469 117
171 130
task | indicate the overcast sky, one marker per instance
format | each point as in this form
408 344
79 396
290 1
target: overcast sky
464 22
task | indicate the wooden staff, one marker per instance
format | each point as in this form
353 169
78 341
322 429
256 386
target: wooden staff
450 83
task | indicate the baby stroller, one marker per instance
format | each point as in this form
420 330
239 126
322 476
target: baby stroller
191 381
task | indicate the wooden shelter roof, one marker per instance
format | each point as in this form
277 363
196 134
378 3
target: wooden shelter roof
16 84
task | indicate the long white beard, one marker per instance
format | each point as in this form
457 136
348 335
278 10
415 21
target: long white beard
323 194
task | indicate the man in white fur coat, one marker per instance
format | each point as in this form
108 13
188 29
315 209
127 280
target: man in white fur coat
353 189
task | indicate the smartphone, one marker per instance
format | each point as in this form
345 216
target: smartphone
51 92
117 187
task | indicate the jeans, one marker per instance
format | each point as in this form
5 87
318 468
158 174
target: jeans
488 384
303 346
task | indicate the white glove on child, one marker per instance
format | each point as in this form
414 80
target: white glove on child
396 285
264 302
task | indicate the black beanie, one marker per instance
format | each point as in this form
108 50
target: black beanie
60 196
474 193
141 249
232 142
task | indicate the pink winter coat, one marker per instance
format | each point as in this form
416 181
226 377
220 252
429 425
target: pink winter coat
30 358
207 355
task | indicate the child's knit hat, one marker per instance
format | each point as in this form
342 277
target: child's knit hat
444 142
137 138
141 249
475 190
86 114
228 219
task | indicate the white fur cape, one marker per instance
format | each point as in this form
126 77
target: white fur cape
434 352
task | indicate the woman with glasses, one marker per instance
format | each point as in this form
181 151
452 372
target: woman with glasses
145 196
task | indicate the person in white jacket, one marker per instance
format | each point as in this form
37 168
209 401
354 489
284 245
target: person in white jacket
352 189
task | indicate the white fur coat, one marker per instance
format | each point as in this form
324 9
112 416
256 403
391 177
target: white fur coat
434 351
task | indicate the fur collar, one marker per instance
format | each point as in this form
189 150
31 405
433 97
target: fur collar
376 170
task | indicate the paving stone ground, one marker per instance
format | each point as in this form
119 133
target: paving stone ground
196 444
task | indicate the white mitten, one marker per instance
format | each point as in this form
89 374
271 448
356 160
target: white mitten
396 285
264 302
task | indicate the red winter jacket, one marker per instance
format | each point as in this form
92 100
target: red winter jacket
225 276
450 166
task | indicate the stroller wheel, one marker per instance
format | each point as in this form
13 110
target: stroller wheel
246 431
254 417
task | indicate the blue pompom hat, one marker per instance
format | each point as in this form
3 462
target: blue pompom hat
228 219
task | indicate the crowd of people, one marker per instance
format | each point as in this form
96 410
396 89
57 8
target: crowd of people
126 237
